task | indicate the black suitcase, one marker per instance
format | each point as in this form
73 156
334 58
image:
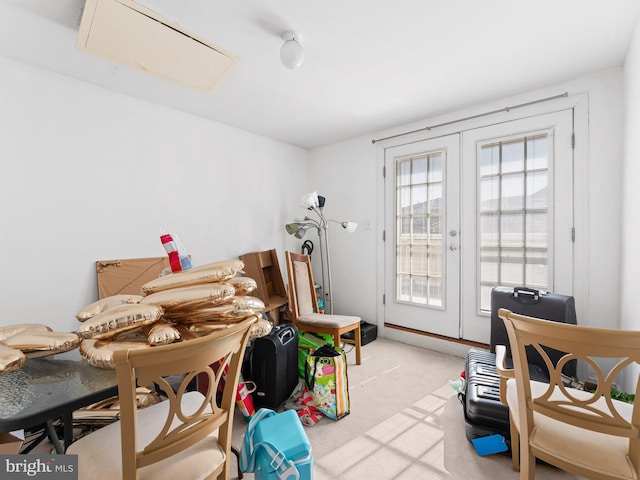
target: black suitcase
484 414
534 303
274 366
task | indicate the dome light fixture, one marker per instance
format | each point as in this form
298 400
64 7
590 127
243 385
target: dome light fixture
291 52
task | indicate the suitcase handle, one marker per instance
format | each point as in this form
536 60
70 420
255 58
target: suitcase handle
526 295
286 335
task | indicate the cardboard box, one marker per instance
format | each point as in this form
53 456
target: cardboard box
127 276
11 442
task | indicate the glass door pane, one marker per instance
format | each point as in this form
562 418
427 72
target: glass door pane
420 208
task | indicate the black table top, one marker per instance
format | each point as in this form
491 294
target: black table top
49 387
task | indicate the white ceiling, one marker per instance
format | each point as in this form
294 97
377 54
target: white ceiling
370 64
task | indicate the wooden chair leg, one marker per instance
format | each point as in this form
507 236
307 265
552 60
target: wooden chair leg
358 338
515 446
236 452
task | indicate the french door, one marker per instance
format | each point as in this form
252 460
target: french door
473 210
422 259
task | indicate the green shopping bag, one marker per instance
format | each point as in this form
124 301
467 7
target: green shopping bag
312 342
326 379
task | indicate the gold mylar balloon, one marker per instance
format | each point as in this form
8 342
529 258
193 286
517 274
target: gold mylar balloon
10 359
243 285
210 273
35 343
119 319
99 353
10 330
105 304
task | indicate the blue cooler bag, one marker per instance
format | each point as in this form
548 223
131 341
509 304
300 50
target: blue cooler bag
276 447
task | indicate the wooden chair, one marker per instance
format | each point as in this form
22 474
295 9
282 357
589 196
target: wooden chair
304 305
186 436
585 432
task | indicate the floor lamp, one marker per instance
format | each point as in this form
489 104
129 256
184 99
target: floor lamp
315 203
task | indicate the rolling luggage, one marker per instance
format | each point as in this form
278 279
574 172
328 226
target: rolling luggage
274 366
484 414
534 303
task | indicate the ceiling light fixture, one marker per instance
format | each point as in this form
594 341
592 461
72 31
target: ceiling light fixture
291 52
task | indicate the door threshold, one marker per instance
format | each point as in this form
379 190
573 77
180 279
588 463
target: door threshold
440 337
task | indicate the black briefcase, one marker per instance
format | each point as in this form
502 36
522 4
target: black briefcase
533 303
368 333
274 366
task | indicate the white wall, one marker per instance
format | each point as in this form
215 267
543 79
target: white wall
349 174
90 175
631 193
630 271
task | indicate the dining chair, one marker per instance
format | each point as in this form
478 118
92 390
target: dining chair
186 436
579 427
303 302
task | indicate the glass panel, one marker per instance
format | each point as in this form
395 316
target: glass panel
404 288
489 232
435 199
512 193
512 230
536 269
419 260
435 291
537 189
404 255
419 216
419 170
435 168
404 225
404 201
419 199
489 262
435 261
513 156
404 172
420 227
419 290
489 194
538 153
490 160
537 229
435 227
511 271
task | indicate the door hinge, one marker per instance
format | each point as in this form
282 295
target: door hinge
573 234
573 140
384 235
384 171
384 299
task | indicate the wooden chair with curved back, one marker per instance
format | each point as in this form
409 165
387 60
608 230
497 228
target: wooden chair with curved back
186 436
582 431
303 301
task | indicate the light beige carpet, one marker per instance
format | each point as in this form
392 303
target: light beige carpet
405 423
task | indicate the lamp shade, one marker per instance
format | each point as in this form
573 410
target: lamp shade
350 226
291 52
292 228
310 200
